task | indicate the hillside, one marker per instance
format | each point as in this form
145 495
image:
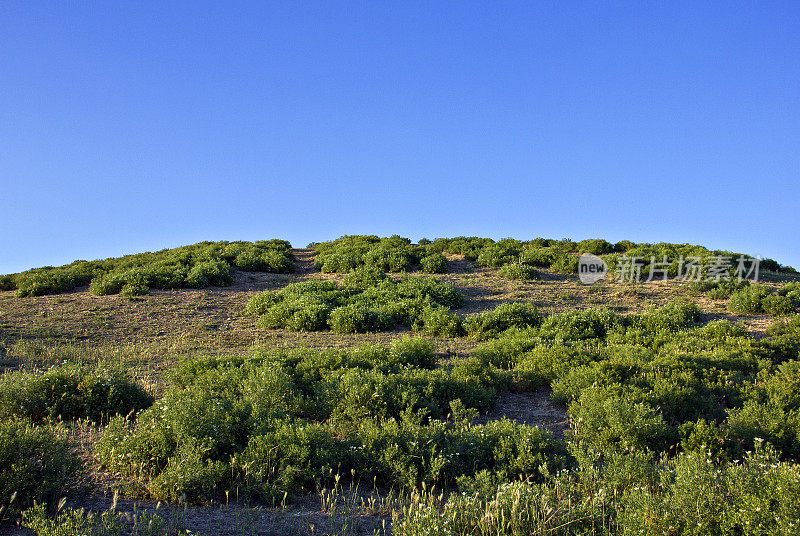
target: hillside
371 384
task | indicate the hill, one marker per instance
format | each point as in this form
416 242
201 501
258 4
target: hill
371 383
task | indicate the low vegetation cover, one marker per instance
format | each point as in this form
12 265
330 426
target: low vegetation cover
196 266
367 300
70 392
759 299
677 428
561 256
389 254
276 423
36 464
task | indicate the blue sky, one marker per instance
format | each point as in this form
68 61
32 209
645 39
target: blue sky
133 126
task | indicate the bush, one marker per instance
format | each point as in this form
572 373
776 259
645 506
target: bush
607 421
197 266
541 257
207 273
519 271
565 263
45 281
756 299
36 464
135 286
78 522
108 284
505 316
778 305
499 254
8 282
356 318
434 263
348 253
368 301
70 392
414 352
439 321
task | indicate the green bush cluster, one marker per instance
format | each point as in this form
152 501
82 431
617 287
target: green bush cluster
759 299
196 266
654 380
690 495
36 464
69 521
677 428
388 254
282 422
720 290
367 301
519 271
562 255
70 391
502 318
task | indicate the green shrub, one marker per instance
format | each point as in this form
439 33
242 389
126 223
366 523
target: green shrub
541 257
368 301
348 253
70 392
439 321
748 300
565 263
36 464
207 273
279 423
434 263
356 318
189 475
608 421
756 299
596 246
505 316
197 266
8 282
135 287
778 305
414 352
720 290
499 254
108 284
695 496
45 281
365 277
79 522
579 325
289 459
519 271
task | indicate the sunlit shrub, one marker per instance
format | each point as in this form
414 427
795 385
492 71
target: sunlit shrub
519 272
439 321
434 263
36 464
505 316
70 392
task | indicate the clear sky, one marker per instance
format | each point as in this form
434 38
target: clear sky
134 126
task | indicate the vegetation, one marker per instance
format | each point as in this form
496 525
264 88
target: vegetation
402 383
36 464
197 266
757 299
390 254
367 301
276 423
70 392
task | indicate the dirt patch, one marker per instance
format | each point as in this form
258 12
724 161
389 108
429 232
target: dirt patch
532 409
